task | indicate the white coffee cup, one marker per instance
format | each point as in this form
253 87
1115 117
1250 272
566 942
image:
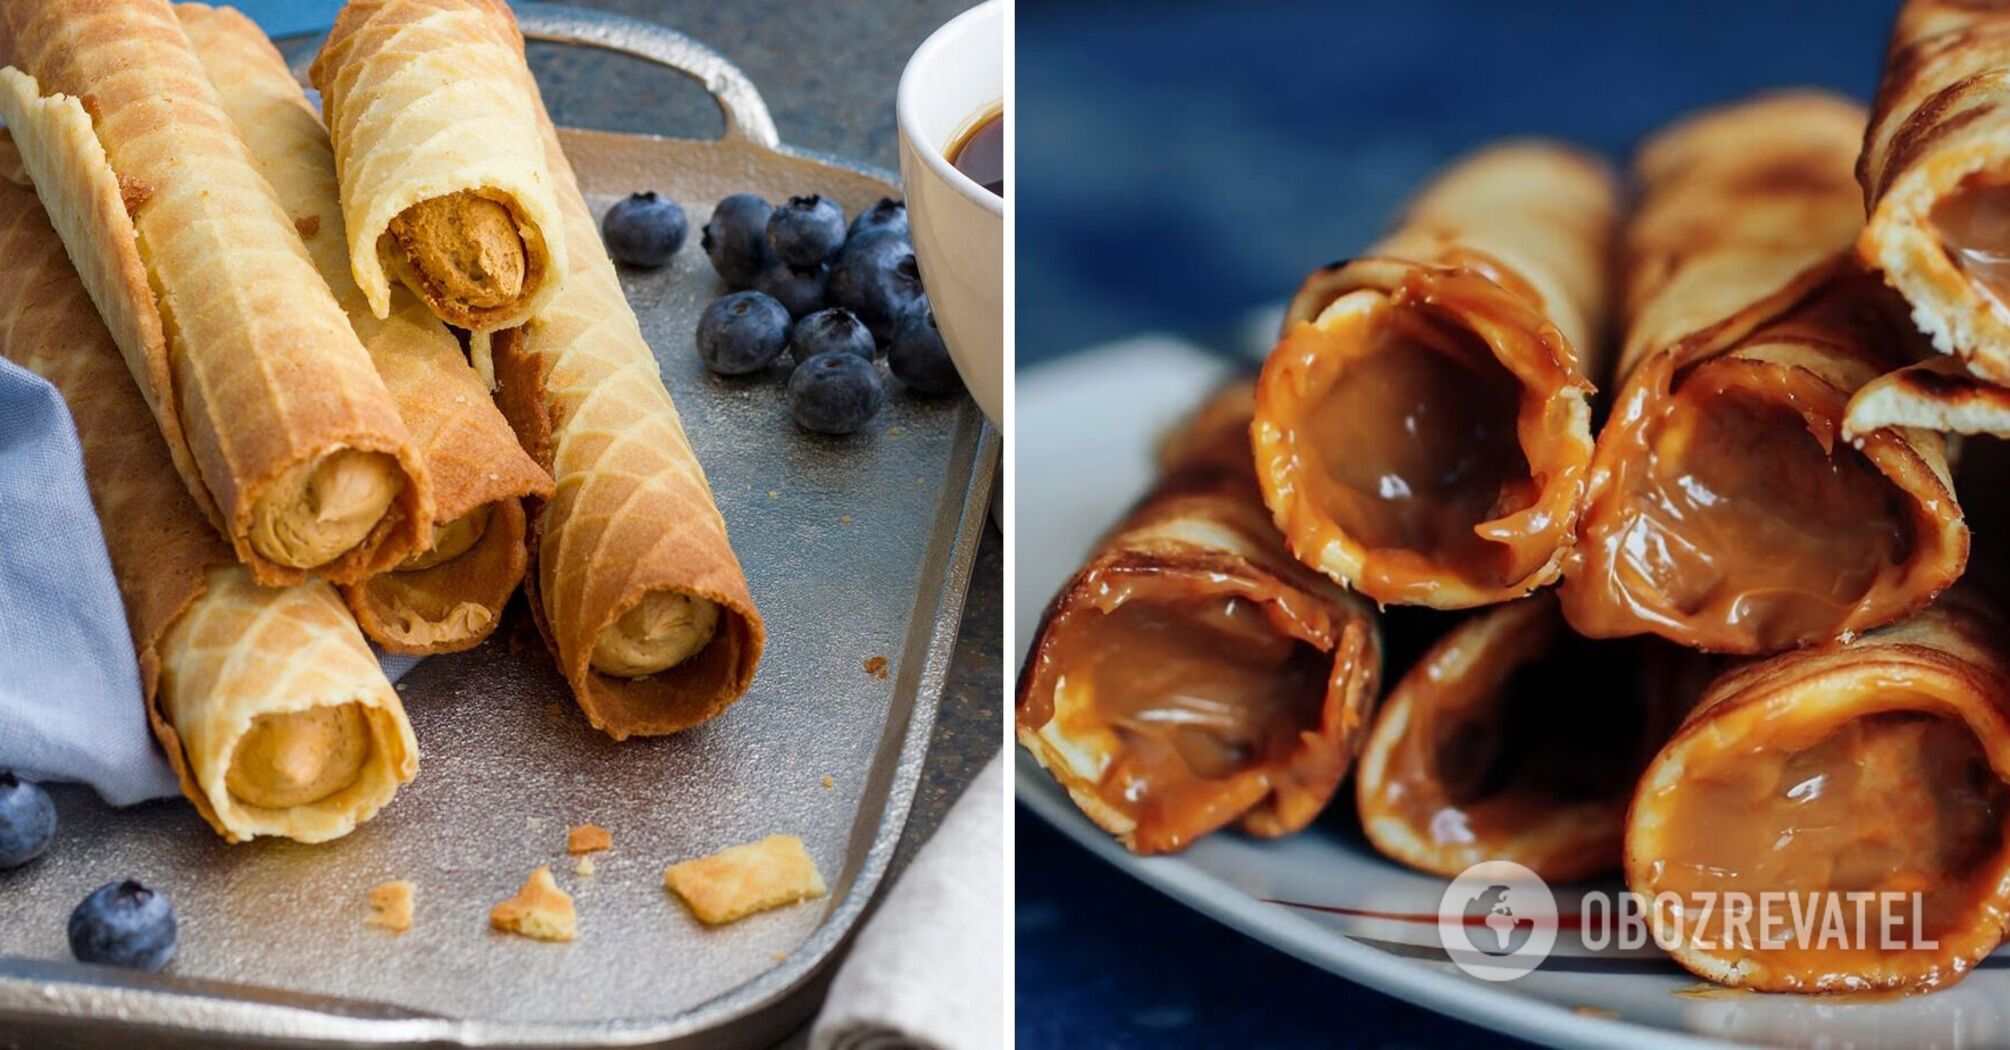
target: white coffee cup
956 77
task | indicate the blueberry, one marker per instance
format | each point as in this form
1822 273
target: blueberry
918 356
27 820
736 240
888 214
644 229
123 924
806 230
876 278
800 288
832 331
742 332
834 393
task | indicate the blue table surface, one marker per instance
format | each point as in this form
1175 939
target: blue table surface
1182 163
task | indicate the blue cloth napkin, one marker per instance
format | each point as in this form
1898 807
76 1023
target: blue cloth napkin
70 706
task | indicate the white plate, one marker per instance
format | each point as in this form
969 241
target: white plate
1086 425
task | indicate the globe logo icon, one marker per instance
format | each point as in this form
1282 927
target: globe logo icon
1497 920
1493 926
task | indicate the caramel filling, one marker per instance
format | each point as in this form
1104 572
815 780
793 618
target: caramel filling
1497 753
1413 444
1180 688
1748 511
319 510
1897 802
465 249
1974 227
296 758
451 540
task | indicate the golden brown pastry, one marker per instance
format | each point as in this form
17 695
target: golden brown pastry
1423 426
279 425
634 582
1935 171
443 186
271 708
1726 510
1515 739
449 596
1192 675
1881 765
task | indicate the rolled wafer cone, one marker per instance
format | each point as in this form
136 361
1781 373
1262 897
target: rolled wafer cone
1935 174
632 518
1192 674
435 131
1423 426
1879 766
297 450
478 469
1726 510
1515 739
216 653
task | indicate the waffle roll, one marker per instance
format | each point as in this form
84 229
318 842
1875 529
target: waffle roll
451 596
1515 739
1423 426
1192 675
443 187
283 431
1935 174
1880 765
1726 510
271 709
633 580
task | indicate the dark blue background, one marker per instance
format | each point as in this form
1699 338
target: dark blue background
1182 163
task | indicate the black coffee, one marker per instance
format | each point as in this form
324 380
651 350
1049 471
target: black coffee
980 153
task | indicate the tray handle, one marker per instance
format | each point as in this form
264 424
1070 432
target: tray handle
747 116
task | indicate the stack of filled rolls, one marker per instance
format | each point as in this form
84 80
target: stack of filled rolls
257 312
1686 467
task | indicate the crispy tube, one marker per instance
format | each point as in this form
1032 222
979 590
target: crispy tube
1725 511
1935 173
436 137
1423 426
451 596
1192 674
1515 739
269 705
283 431
633 581
1878 766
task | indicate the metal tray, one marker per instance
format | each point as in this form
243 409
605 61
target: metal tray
854 548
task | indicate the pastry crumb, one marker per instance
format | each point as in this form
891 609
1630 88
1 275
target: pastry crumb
540 910
828 782
893 432
554 710
134 194
844 519
308 226
1594 1011
737 882
774 494
588 838
876 667
391 905
584 867
777 956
